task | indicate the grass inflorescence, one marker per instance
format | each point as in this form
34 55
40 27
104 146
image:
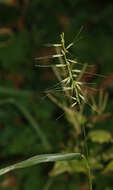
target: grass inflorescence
68 74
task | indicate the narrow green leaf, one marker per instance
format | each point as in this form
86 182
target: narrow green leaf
41 159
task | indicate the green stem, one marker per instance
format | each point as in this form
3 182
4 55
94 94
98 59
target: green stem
86 159
30 119
89 172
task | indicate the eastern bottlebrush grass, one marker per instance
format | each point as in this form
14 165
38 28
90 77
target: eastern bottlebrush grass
71 77
72 85
73 82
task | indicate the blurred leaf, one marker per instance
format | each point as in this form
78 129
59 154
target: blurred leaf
109 167
100 136
95 163
16 52
59 168
108 154
73 166
78 166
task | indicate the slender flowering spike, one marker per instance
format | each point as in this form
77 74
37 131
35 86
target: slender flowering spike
65 80
79 87
62 38
68 63
72 61
75 76
67 88
75 61
63 52
70 45
60 65
76 71
80 83
68 81
49 56
53 45
73 98
74 104
57 65
82 97
57 55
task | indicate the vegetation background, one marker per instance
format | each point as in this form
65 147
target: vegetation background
25 27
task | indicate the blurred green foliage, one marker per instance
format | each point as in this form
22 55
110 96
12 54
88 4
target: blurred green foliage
25 26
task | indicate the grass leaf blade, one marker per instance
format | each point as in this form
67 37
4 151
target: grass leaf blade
41 159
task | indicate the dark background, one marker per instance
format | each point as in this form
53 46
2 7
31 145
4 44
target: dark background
25 27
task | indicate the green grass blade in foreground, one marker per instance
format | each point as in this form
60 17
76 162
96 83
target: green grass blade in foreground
41 159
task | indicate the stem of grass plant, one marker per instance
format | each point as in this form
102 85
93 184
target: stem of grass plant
89 172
